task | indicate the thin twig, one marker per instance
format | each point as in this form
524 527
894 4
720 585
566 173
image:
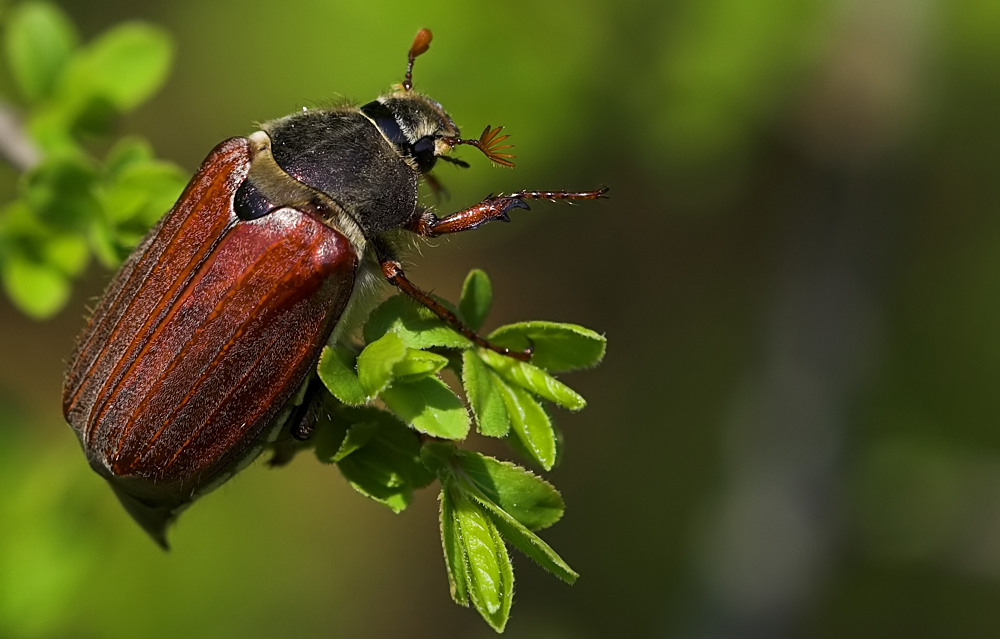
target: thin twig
15 146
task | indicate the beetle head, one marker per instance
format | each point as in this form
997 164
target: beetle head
419 127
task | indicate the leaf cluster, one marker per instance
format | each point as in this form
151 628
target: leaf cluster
73 203
396 425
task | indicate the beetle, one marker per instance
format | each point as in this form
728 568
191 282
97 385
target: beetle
204 340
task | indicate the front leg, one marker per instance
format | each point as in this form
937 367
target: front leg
491 208
427 224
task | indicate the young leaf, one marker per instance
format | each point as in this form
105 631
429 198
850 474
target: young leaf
477 296
124 153
328 438
534 379
417 364
454 552
376 363
125 65
355 438
66 252
417 326
386 464
429 406
379 456
38 289
142 192
555 347
529 499
530 425
60 191
484 397
526 541
336 371
488 570
39 42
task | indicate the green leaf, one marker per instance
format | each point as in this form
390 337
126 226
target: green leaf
484 396
328 437
555 347
530 425
417 364
488 570
52 124
533 379
125 152
529 499
526 541
141 192
454 552
66 252
39 43
477 296
61 192
510 496
430 406
358 436
437 457
104 244
125 65
37 289
416 325
381 458
376 363
336 371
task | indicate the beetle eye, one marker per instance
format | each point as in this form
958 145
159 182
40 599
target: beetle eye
249 203
423 153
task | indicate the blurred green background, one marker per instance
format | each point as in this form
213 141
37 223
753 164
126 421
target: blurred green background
795 431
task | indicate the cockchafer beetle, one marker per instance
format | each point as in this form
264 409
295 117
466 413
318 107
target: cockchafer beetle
204 338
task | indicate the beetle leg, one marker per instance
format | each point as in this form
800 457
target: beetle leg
491 208
299 425
393 271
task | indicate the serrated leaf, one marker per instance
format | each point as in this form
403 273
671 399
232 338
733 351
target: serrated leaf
485 398
39 41
555 347
416 325
477 297
39 290
488 570
534 379
454 553
529 499
336 371
376 363
530 425
417 364
357 437
429 406
526 541
125 65
380 458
